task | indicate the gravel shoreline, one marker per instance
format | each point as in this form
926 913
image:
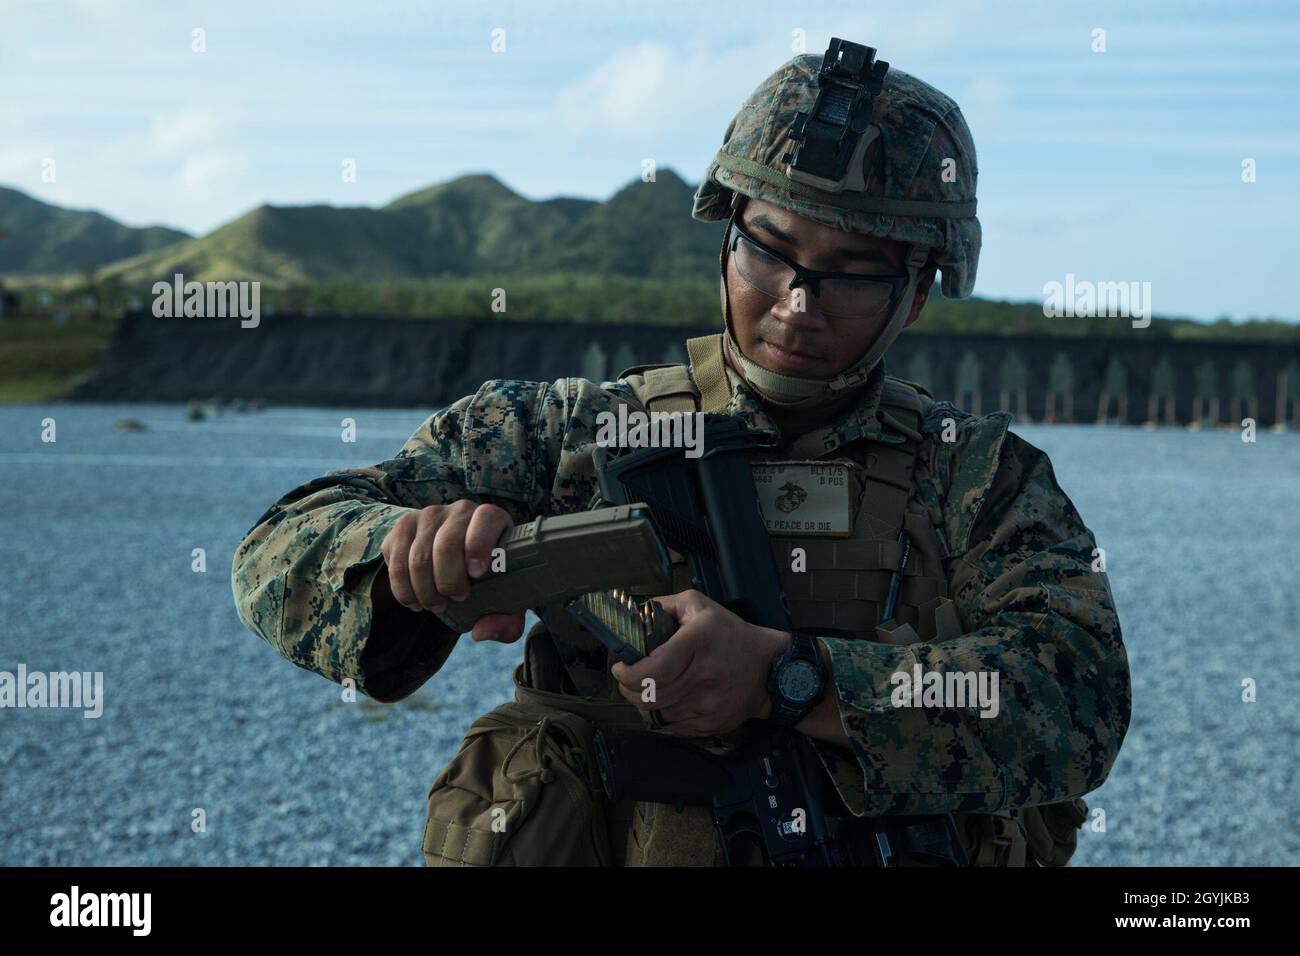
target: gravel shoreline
98 532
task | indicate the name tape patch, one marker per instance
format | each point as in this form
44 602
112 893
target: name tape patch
806 497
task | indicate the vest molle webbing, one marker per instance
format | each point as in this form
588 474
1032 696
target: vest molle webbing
844 582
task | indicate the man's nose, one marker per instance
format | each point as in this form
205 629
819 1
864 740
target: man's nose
799 305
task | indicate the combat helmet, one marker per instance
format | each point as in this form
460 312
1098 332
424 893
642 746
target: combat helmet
849 142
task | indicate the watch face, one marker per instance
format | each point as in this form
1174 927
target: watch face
799 681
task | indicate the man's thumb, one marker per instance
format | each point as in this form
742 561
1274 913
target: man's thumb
678 605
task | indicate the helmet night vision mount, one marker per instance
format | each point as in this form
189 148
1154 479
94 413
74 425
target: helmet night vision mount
834 138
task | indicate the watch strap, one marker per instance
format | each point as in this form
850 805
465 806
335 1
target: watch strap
803 647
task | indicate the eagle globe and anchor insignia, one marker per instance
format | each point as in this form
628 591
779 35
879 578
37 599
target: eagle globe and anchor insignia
805 497
791 497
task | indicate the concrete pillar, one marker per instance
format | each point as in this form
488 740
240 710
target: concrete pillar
1114 387
919 369
593 363
675 354
1205 401
1060 384
1287 404
1163 387
624 359
1013 376
967 392
1244 396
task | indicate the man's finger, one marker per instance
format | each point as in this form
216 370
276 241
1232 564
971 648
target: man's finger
663 697
486 525
396 550
665 665
682 713
419 560
504 628
449 573
682 604
694 727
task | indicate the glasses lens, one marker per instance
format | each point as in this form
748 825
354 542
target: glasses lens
857 298
853 298
760 269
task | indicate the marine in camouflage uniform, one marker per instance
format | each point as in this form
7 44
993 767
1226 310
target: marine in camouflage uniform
1017 559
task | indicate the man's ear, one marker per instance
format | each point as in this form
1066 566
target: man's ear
922 292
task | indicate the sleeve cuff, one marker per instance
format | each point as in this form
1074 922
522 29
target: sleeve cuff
402 649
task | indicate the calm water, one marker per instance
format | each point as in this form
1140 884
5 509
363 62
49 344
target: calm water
97 532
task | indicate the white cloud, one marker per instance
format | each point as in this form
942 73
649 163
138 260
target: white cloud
195 156
209 174
631 92
174 133
650 89
653 88
984 93
21 166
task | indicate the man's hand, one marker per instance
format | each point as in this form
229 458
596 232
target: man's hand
711 675
433 553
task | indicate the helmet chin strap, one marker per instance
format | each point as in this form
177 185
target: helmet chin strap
787 391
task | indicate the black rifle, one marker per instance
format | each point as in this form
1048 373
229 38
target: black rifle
771 799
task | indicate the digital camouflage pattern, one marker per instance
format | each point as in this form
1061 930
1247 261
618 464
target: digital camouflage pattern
1020 571
928 155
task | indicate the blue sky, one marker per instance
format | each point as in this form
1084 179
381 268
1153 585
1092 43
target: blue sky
1115 166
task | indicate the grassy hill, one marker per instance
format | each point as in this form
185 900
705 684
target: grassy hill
278 244
643 231
37 238
477 225
470 226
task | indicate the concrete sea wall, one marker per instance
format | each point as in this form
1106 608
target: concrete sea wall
407 362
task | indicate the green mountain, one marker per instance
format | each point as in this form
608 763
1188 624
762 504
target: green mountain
473 225
281 244
39 239
476 224
643 231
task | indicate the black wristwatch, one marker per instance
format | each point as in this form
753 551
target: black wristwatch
797 680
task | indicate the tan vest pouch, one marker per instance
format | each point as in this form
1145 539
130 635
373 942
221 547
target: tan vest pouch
639 834
522 791
662 835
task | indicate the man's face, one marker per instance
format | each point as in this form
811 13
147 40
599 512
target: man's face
810 343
